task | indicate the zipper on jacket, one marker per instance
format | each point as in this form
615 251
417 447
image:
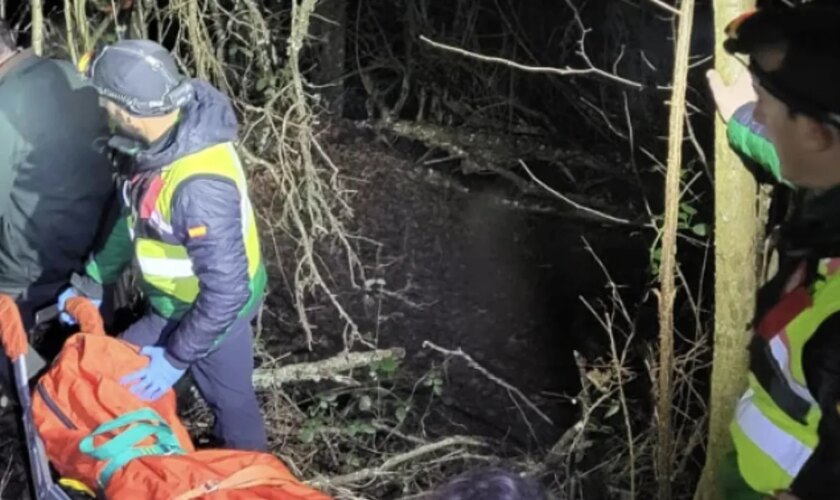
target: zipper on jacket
54 408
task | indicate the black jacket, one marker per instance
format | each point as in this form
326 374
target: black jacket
54 182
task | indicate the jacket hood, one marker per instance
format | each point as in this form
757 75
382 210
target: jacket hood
206 120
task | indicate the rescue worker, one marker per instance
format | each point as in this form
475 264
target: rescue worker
786 431
191 229
52 177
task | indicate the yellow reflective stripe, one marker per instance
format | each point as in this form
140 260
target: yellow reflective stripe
165 267
788 452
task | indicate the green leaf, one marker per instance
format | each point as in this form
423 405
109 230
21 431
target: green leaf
262 83
656 254
688 209
387 366
700 230
402 413
307 435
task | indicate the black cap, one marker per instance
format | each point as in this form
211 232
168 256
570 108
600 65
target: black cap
808 79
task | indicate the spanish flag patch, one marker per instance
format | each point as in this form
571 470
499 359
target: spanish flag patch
197 231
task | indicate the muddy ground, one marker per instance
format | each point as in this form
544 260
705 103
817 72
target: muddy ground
463 269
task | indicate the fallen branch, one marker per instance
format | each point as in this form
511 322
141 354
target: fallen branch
395 461
493 378
322 370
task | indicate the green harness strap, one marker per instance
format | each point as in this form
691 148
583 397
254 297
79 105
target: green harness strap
121 449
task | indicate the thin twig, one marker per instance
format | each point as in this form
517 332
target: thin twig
477 367
565 199
663 5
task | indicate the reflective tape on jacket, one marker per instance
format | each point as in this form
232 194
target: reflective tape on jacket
776 422
788 452
780 351
166 266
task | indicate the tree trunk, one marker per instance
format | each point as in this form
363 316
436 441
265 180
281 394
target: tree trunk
329 26
736 251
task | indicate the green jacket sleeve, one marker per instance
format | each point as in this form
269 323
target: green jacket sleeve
749 140
106 266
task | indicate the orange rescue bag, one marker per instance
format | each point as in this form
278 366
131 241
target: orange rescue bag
96 431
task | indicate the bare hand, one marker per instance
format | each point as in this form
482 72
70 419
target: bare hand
729 98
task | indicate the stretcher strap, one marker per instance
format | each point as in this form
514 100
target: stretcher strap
122 448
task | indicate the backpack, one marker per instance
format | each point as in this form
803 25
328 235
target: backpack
97 432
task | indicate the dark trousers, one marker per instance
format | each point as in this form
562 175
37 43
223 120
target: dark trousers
223 378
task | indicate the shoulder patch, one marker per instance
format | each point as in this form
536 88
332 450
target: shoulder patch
197 231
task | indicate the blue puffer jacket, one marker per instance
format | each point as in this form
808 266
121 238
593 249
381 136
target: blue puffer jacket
219 259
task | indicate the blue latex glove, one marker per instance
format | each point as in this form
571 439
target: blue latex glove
152 382
66 295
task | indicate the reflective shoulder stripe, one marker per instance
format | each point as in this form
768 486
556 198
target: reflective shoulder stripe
166 267
781 354
785 450
242 187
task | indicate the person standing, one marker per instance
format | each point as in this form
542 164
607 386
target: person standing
189 226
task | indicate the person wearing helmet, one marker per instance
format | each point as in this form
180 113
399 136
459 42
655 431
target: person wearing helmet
189 226
785 118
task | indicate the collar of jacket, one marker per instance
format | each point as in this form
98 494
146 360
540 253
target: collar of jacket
208 119
15 60
814 232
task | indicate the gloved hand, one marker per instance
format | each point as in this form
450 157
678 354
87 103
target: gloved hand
152 382
69 293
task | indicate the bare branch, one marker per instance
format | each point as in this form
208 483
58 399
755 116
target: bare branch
663 5
567 71
395 461
569 201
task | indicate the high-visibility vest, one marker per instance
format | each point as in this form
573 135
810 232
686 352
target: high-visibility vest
165 265
776 421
